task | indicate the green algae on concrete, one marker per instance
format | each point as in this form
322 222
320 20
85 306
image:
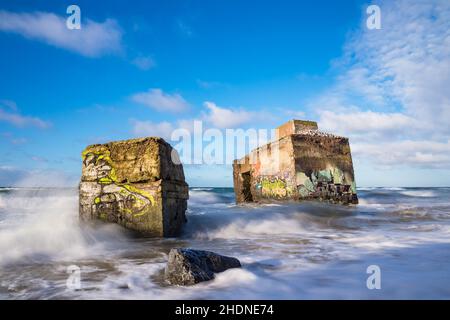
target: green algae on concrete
274 187
136 184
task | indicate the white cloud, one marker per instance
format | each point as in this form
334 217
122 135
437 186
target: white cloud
38 159
93 39
50 178
408 61
213 117
144 63
184 29
18 141
424 153
391 97
9 104
366 122
148 128
162 129
293 114
224 117
19 120
160 101
13 139
209 84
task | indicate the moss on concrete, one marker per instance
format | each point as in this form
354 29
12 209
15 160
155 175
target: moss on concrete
122 182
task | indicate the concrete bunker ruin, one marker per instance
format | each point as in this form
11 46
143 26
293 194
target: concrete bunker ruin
302 163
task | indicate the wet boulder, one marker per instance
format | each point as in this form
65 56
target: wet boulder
189 266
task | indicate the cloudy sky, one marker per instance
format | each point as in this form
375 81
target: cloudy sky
150 67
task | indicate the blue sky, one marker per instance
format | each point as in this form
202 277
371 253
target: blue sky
149 67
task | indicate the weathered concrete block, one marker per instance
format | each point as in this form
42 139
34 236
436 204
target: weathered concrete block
302 163
188 266
136 184
294 127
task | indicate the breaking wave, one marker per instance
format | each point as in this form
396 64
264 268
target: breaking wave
303 250
246 228
419 193
43 225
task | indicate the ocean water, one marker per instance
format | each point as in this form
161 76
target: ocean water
288 251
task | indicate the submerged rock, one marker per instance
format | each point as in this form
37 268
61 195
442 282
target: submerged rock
137 183
189 266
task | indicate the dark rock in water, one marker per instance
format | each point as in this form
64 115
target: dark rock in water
188 266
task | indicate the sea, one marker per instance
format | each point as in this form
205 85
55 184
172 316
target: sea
396 238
